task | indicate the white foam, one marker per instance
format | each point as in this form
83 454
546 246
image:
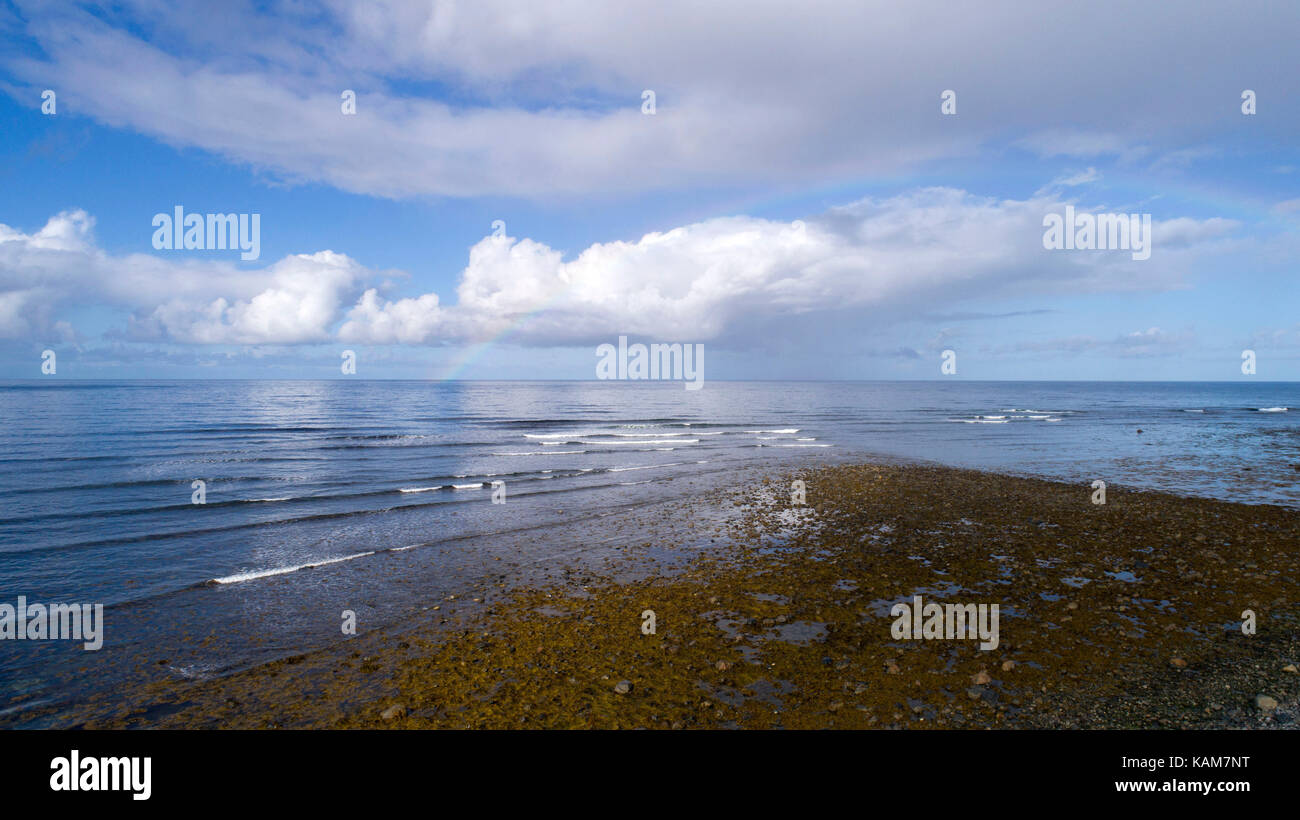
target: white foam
266 573
647 441
646 467
787 430
419 489
1274 409
476 486
544 453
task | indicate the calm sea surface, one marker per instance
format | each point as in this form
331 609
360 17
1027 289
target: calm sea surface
313 489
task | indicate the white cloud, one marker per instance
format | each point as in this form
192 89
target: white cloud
883 259
544 98
297 299
731 279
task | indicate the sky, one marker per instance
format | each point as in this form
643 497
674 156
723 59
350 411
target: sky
503 198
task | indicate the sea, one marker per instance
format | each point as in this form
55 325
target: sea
226 523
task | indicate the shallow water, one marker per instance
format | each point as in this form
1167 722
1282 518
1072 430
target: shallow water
376 494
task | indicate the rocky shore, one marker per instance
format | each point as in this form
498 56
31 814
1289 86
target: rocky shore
1123 614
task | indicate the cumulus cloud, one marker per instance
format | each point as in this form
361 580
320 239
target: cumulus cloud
297 299
881 258
730 279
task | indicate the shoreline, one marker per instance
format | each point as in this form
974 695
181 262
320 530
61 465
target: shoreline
1112 616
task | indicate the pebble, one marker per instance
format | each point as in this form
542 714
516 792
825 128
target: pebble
393 712
623 687
722 666
980 677
1289 668
1264 703
974 692
1007 666
1179 662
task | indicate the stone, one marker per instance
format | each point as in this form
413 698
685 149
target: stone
393 712
1264 703
1178 662
980 677
623 687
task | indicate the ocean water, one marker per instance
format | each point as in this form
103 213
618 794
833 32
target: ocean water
375 496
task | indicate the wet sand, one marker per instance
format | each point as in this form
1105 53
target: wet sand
1125 614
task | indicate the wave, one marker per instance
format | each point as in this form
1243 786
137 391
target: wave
478 485
647 441
646 467
420 489
265 573
544 453
1273 409
787 430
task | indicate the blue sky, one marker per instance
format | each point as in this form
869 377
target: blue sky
917 232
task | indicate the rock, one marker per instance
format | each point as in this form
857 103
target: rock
1007 666
974 692
393 712
836 706
1178 662
623 687
892 669
980 677
1289 668
1264 703
722 666
1072 605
